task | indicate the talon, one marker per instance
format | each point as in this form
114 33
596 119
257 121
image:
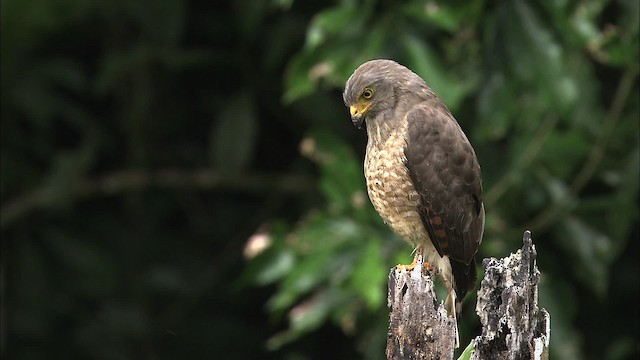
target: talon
403 267
427 266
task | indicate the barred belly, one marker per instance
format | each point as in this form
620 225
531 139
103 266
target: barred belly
394 197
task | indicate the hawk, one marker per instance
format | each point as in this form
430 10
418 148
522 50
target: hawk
422 173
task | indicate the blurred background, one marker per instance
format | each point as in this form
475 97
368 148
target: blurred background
181 180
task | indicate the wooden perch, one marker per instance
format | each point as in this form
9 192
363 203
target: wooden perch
420 327
508 308
512 326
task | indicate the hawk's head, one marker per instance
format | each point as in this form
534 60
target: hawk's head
374 87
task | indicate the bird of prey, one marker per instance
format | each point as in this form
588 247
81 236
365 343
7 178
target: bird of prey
422 173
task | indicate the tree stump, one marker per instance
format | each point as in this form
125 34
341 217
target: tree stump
508 309
512 326
420 328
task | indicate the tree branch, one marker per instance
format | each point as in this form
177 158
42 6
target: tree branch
137 180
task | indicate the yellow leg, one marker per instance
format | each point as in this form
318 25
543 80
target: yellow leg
425 264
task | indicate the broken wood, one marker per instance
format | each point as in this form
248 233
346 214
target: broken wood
512 326
420 327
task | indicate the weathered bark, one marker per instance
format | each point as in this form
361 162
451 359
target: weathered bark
512 326
419 325
508 308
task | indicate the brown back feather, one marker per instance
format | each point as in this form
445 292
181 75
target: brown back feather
445 172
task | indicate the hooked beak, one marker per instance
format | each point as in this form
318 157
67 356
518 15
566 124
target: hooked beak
358 111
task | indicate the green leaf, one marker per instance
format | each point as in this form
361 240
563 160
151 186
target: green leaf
572 145
278 266
305 317
496 108
441 14
332 22
332 63
468 351
369 275
543 60
422 60
590 251
342 174
308 273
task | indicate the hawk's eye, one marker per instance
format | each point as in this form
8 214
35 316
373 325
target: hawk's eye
367 93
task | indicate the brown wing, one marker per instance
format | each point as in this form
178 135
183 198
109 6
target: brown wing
445 172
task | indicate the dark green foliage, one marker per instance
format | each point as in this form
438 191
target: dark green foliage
146 145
